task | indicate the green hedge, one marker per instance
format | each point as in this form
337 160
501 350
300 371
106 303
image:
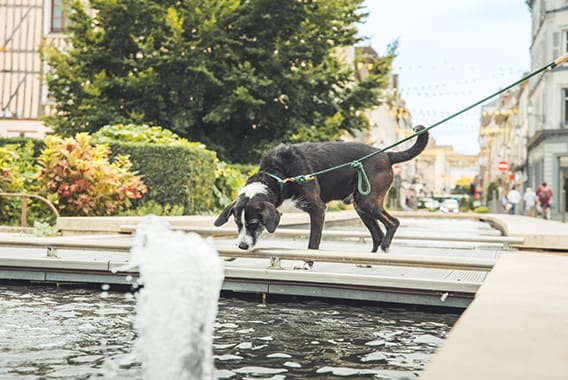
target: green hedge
21 141
176 175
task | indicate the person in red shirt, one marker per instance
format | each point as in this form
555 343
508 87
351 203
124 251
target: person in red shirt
544 196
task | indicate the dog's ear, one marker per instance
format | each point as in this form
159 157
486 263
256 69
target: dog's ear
224 217
270 216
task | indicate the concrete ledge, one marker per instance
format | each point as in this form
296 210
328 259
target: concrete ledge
341 234
122 245
516 326
16 230
537 233
112 224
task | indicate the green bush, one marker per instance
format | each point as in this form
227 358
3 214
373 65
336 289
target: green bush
18 175
22 142
228 180
175 175
338 206
132 133
466 203
183 177
481 210
151 207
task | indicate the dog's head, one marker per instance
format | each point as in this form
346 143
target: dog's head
253 213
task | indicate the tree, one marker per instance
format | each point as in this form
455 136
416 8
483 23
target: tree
237 76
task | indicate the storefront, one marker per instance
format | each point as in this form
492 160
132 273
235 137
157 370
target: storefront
548 162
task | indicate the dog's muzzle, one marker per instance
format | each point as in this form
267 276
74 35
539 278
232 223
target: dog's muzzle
243 245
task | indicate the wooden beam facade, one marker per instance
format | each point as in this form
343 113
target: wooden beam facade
26 24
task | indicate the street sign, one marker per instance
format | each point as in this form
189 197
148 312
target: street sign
503 166
396 169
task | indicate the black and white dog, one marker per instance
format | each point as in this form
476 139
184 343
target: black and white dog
255 208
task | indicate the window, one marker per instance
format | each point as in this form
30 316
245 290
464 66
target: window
565 106
57 16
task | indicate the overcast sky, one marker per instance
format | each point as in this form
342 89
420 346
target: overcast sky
451 54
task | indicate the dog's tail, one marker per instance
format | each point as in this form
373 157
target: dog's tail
413 151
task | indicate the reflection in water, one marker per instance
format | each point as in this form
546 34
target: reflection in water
68 333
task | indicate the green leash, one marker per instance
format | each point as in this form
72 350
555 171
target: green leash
363 184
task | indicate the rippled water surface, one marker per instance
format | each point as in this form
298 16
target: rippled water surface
69 333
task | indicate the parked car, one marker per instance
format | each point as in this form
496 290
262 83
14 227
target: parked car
450 206
431 204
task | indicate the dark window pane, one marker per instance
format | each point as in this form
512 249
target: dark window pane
57 17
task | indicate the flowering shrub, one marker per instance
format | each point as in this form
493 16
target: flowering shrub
16 167
17 173
80 180
8 181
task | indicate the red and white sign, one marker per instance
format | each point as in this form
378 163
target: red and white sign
396 169
503 166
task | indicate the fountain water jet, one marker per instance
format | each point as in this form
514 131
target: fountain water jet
182 276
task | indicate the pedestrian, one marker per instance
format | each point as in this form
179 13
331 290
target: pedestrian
530 202
505 203
513 197
544 196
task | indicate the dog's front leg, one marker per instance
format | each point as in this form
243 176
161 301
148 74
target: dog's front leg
317 217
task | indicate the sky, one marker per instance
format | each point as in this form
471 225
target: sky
451 53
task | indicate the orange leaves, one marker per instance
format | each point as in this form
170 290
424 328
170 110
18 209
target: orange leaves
84 180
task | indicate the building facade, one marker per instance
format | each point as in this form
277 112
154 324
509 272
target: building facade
547 101
439 169
26 25
502 141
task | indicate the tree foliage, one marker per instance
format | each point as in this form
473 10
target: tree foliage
239 76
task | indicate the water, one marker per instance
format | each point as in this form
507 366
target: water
182 276
75 333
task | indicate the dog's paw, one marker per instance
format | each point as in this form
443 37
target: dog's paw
364 266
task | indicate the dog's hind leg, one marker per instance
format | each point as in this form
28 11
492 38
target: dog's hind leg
373 226
370 210
391 225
